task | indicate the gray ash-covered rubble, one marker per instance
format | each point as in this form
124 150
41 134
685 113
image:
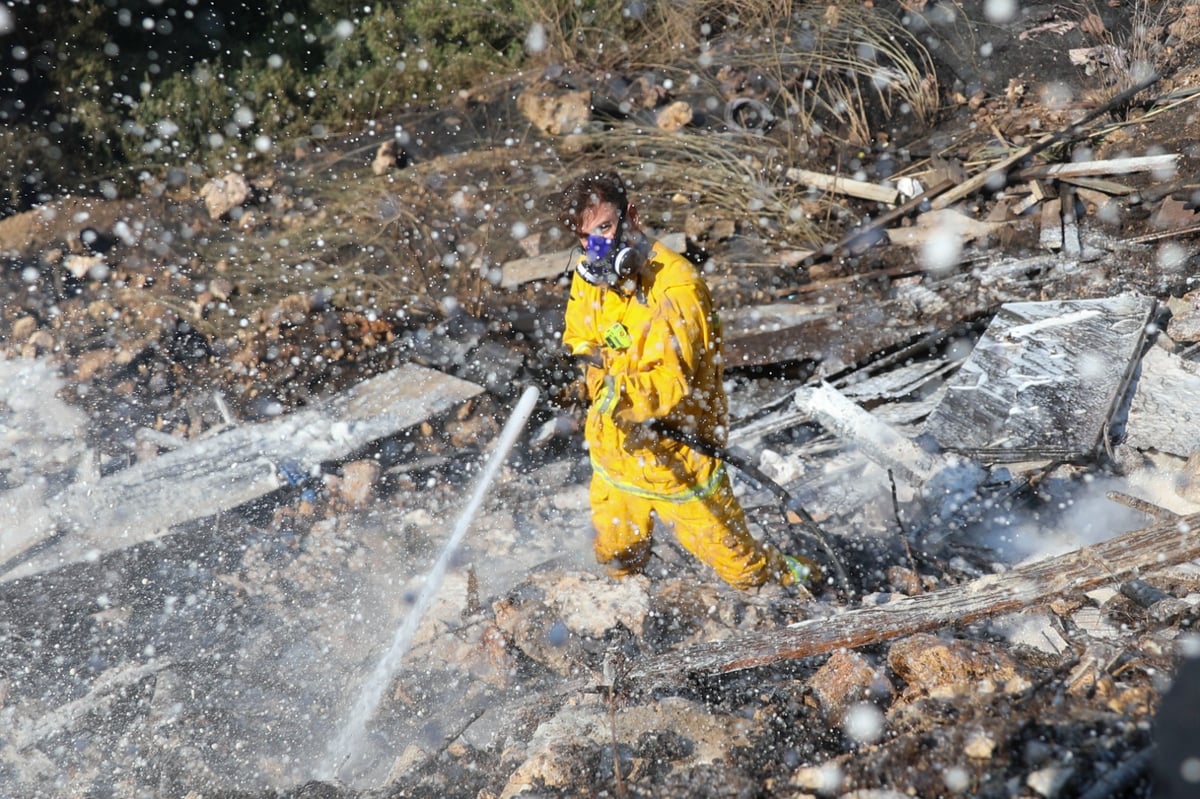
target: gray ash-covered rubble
219 658
983 396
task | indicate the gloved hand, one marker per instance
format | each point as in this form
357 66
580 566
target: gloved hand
624 418
803 571
589 358
637 433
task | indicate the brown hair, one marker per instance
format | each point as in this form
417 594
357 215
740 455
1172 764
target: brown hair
586 192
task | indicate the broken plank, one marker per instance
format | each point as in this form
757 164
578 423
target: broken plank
782 333
837 184
1051 236
1036 193
218 473
1027 585
873 437
1109 187
870 233
996 176
1114 166
1072 245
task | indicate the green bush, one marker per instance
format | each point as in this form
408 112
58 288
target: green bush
115 90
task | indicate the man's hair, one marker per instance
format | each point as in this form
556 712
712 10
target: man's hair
589 191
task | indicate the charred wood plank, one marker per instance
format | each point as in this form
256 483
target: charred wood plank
1031 584
830 339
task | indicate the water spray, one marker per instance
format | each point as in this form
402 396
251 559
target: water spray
342 748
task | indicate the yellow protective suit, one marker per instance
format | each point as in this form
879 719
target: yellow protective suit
662 359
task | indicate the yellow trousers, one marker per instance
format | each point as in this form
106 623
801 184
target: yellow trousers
712 528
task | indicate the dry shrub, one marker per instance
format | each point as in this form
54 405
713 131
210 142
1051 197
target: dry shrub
721 177
838 70
1124 58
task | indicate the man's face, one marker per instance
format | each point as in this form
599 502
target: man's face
601 220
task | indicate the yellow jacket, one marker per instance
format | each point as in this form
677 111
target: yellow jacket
669 367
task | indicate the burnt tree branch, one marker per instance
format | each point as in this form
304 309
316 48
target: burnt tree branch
1121 558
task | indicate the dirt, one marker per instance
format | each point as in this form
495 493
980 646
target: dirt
219 660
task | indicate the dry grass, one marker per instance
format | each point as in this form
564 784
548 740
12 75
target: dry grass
837 70
1121 60
833 74
719 177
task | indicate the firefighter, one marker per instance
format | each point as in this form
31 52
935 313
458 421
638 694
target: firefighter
641 319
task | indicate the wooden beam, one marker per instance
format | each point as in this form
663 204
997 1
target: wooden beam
214 474
1113 166
1109 187
1051 235
837 184
1031 584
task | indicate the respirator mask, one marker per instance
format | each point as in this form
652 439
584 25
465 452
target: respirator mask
605 261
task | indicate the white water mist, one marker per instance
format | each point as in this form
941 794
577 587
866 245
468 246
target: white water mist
343 747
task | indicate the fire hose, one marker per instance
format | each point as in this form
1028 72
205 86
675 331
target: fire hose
794 513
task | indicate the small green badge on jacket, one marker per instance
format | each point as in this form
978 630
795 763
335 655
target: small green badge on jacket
617 337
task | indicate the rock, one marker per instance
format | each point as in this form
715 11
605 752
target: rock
92 362
556 111
222 195
1049 781
356 485
674 116
825 779
1184 325
82 266
560 747
904 580
979 746
845 679
40 343
23 328
934 667
560 620
390 155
